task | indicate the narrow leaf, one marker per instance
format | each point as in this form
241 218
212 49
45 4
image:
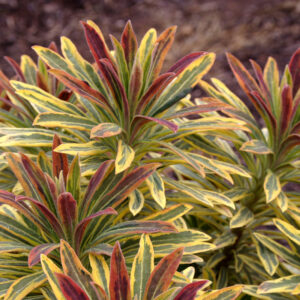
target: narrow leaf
125 156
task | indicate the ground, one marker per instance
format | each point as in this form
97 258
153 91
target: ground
248 29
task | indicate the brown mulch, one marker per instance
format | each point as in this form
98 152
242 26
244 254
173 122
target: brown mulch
249 29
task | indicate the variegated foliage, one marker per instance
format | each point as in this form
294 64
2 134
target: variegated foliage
58 205
250 249
17 113
113 281
122 108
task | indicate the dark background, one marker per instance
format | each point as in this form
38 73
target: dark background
248 28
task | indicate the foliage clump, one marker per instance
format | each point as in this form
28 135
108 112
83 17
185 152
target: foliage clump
115 154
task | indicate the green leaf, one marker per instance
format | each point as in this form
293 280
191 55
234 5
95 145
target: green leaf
289 230
136 202
23 286
267 257
105 130
124 158
272 186
256 147
142 266
281 285
228 293
64 120
157 189
243 217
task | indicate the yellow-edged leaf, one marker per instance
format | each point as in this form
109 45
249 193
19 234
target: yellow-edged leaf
228 293
85 149
125 156
243 217
24 285
142 266
43 101
100 271
50 268
136 202
256 146
289 230
282 201
64 120
104 130
281 285
267 257
157 189
272 186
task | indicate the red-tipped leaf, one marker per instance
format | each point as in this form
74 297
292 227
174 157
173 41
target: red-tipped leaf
286 107
161 277
35 253
189 291
294 67
119 285
129 44
59 160
70 289
67 210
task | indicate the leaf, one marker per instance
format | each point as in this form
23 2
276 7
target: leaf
294 68
129 44
136 202
281 285
24 285
70 289
84 149
11 246
73 179
243 217
119 284
189 291
94 190
127 185
280 250
131 228
67 211
52 58
83 89
157 189
63 120
50 269
162 274
142 266
162 46
190 191
100 271
193 241
142 120
124 158
59 160
43 100
95 41
267 257
73 267
36 252
228 293
289 230
105 130
81 226
185 80
256 146
286 108
272 186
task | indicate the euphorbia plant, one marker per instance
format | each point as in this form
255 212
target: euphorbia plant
144 281
246 239
124 108
54 208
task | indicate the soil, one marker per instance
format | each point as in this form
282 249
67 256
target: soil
249 29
